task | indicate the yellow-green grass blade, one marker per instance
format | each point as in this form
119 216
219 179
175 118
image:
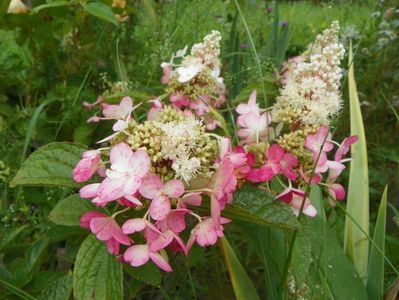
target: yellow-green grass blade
356 244
375 278
242 285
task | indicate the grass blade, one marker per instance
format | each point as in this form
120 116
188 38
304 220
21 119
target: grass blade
242 285
375 278
356 244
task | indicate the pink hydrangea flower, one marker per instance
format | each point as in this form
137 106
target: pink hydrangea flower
167 71
254 128
156 107
206 232
223 183
88 165
294 198
277 161
336 191
125 175
106 229
137 225
118 112
138 255
174 221
314 142
200 107
193 199
345 146
250 107
178 99
153 188
237 158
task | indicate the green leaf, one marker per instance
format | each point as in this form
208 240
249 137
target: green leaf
60 289
36 254
50 5
356 243
101 11
69 210
302 253
257 206
8 238
51 165
375 278
147 273
338 273
242 285
97 274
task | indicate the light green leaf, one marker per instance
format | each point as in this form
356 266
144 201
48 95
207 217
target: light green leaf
257 206
356 243
101 11
69 210
60 289
50 5
97 274
375 278
51 165
242 285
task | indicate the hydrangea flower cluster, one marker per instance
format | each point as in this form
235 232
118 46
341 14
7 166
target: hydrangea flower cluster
311 95
156 174
193 81
150 167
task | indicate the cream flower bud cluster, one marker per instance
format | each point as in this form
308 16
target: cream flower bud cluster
209 49
179 143
203 59
313 89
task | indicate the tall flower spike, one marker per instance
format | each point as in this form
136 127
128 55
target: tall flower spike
312 94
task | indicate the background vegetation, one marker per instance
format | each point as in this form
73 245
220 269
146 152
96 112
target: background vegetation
63 53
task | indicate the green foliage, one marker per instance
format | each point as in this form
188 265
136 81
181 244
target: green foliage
148 274
102 11
257 206
337 272
242 285
51 165
58 290
97 274
68 211
375 275
356 244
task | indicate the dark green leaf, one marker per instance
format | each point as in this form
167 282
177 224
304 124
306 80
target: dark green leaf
335 269
50 165
375 277
58 290
148 273
242 285
69 210
8 238
36 253
257 206
97 274
50 5
302 253
101 11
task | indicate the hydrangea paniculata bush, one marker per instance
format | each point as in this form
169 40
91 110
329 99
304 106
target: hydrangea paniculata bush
160 171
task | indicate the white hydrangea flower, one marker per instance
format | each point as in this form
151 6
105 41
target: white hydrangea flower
189 69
